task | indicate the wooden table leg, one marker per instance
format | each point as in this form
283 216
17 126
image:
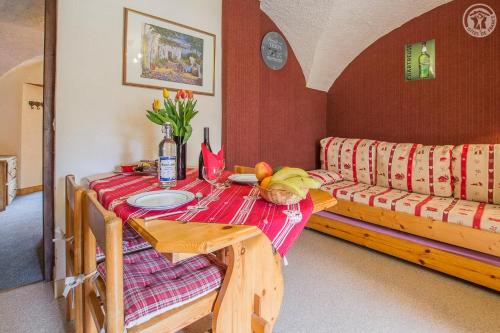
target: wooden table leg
252 291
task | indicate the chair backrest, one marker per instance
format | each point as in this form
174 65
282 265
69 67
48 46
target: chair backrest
3 185
243 169
104 228
74 261
73 201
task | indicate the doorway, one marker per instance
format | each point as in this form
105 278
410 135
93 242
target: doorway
27 76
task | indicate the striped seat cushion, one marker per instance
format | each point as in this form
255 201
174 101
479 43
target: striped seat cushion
476 172
468 213
353 159
152 285
132 242
325 177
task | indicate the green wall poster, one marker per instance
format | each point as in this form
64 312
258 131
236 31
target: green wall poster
420 60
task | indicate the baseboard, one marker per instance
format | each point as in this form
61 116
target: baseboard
28 190
58 288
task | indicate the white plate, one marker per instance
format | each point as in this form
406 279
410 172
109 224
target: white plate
156 200
243 178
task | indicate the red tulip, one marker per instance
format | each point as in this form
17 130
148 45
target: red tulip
190 94
181 94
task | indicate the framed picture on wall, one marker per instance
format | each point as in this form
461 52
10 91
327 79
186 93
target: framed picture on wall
158 53
420 60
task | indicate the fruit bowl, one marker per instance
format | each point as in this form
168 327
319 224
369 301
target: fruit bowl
279 196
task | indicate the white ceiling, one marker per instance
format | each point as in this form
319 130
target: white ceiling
21 32
326 35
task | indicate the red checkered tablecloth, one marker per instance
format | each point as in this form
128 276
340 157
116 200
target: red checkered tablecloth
238 204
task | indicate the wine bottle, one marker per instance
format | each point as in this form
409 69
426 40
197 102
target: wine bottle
167 163
206 141
424 62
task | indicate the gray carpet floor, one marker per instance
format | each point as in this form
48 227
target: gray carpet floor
330 286
21 230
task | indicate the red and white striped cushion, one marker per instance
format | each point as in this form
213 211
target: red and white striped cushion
345 189
476 171
432 171
354 159
132 242
325 177
468 213
152 285
395 165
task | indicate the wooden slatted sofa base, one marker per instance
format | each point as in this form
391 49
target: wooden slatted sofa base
463 252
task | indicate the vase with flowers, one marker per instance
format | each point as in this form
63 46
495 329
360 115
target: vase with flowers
178 112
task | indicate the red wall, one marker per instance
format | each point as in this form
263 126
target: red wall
267 115
462 105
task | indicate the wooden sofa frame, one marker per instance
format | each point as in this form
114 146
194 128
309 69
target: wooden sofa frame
249 299
466 268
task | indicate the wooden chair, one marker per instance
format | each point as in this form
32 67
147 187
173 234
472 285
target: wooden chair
74 263
248 300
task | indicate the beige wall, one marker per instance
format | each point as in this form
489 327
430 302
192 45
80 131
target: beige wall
30 172
99 122
11 106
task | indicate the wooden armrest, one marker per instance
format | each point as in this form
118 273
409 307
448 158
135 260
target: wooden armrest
322 200
191 237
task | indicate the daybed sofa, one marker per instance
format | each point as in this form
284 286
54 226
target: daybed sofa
436 206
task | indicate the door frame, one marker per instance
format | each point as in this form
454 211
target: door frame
49 78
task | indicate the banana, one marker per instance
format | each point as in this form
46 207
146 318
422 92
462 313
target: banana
288 187
293 180
303 182
288 172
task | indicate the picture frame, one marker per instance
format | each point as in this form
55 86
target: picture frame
159 53
420 60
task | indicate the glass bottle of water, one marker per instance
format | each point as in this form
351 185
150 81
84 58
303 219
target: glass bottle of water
167 176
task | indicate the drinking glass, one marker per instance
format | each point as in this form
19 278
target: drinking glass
212 175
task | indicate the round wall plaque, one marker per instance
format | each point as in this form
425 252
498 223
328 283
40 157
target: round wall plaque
274 50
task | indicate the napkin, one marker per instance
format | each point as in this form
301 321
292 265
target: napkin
212 161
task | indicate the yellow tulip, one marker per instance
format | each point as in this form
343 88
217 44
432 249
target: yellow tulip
166 93
156 105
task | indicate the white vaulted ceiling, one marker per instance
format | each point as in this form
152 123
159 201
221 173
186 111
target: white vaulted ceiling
326 35
21 32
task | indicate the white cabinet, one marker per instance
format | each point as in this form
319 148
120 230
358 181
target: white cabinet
11 176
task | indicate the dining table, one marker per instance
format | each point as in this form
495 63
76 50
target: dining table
249 235
234 204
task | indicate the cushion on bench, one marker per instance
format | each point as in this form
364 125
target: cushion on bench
432 171
468 213
395 165
325 177
476 172
353 159
132 242
152 285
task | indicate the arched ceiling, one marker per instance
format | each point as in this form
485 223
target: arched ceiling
21 32
326 35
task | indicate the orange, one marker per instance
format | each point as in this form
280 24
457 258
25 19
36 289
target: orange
265 182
